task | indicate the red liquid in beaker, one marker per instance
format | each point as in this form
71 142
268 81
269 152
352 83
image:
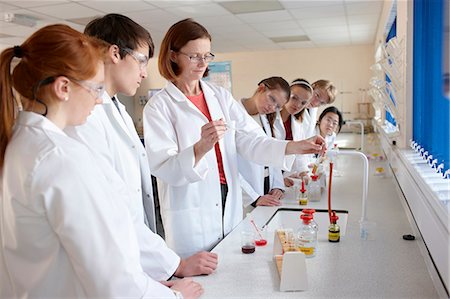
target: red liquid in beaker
248 249
260 242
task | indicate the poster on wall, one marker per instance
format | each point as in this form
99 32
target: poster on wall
220 74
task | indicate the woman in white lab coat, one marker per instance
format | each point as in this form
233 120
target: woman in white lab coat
190 150
263 185
65 226
291 125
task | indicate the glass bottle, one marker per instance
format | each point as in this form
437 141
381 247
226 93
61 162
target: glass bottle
306 238
314 191
313 222
334 230
302 197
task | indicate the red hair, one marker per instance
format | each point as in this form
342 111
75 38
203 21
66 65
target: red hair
55 50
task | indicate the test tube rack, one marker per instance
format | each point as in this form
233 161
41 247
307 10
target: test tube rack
290 263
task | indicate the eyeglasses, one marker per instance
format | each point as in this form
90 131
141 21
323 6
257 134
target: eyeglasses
273 101
299 101
139 57
331 121
195 58
96 89
321 98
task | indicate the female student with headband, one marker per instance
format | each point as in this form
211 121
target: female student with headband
292 119
65 227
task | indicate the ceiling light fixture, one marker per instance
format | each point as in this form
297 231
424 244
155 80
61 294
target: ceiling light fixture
251 6
20 19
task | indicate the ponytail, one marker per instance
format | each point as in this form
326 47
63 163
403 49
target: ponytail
7 106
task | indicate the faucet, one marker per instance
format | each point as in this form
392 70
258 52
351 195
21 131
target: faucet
331 154
440 168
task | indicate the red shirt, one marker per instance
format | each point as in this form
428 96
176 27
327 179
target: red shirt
288 128
200 102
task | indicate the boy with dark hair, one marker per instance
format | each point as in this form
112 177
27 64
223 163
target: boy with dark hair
111 135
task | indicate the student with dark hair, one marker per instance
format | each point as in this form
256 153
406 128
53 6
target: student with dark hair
263 185
65 227
190 150
329 124
111 135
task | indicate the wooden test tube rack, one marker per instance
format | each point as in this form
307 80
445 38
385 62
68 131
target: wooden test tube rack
290 263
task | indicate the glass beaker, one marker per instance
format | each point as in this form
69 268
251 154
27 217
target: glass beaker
247 242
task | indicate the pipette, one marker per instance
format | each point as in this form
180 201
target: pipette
316 165
261 241
303 190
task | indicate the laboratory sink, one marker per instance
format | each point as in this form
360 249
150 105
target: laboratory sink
285 218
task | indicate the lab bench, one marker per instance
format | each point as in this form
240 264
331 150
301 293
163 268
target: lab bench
385 266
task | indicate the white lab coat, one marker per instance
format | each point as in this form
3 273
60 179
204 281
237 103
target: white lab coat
252 174
309 129
301 161
65 226
190 197
309 122
111 136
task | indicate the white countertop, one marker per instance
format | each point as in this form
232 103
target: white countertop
386 267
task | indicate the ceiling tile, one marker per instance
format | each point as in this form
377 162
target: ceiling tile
364 7
326 30
293 4
218 21
363 19
276 25
319 12
155 17
363 27
116 6
280 33
323 22
7 6
28 4
331 22
34 14
263 17
193 11
294 45
12 41
232 30
17 30
174 3
246 6
67 11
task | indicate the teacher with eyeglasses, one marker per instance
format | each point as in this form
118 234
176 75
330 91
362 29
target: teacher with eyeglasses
193 132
